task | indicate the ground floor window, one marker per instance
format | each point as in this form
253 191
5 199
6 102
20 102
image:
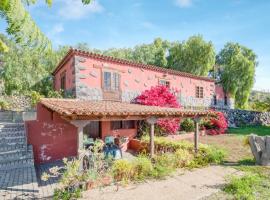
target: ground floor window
127 124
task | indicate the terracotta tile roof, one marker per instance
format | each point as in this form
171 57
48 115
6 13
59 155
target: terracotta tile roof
78 52
84 109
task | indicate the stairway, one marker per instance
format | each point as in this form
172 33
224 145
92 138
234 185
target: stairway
14 151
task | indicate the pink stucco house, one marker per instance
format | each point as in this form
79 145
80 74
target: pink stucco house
86 75
111 84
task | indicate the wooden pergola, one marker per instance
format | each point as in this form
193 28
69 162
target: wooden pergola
82 112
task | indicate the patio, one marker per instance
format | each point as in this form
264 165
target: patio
26 183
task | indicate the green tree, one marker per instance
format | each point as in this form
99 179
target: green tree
237 71
21 26
153 53
194 56
23 69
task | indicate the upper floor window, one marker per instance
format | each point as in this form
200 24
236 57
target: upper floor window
199 92
111 81
165 83
63 81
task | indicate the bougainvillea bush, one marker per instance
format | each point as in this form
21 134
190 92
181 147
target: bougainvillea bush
216 124
162 96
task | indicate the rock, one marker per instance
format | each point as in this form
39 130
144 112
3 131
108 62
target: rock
260 148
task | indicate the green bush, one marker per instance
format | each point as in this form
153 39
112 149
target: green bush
243 187
4 105
187 125
142 167
122 170
55 94
35 98
183 158
66 194
164 165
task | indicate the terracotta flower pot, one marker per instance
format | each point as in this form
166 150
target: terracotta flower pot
107 180
90 185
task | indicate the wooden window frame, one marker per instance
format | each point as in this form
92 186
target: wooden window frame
199 92
118 125
164 82
63 81
115 81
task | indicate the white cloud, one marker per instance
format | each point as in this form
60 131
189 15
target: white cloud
58 28
54 33
74 9
183 3
148 25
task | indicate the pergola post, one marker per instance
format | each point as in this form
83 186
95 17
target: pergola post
152 121
80 124
196 134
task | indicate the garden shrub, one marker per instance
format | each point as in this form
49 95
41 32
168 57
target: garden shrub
142 167
216 124
163 97
122 170
163 144
4 105
164 164
187 125
183 158
67 194
55 94
35 98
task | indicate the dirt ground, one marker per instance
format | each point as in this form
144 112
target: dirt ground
185 185
233 144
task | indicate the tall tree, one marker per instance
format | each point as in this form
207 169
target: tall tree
237 71
23 69
194 56
21 26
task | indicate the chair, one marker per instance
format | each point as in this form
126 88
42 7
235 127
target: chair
111 148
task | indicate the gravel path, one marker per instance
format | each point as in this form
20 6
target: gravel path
195 184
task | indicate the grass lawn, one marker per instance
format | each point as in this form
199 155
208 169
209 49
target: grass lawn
258 130
255 183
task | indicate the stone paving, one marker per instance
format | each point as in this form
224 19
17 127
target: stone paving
25 183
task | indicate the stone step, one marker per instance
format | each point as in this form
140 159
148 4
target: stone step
17 154
15 164
12 146
12 134
8 140
11 125
6 130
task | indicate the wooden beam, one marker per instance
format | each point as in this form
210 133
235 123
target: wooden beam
152 121
152 144
196 134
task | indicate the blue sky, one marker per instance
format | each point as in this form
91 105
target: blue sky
125 23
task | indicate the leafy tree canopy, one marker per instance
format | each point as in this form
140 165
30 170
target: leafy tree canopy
237 71
23 69
22 27
194 56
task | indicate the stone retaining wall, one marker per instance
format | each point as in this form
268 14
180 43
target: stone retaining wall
246 117
18 103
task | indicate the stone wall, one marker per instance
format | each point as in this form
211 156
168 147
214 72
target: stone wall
245 117
17 103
